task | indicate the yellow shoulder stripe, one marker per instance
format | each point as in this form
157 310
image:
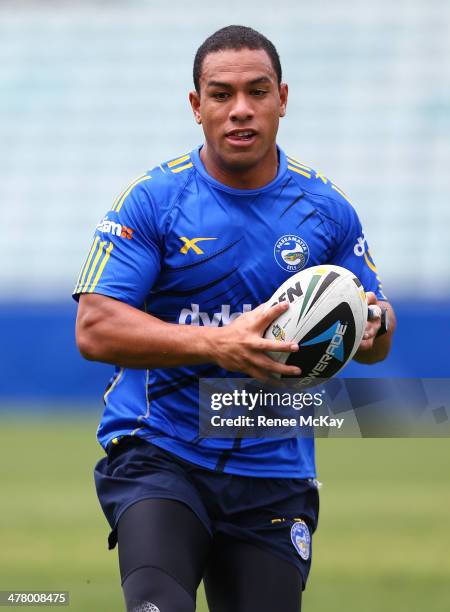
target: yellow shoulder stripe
93 266
340 192
85 286
370 264
181 168
299 164
122 192
102 266
302 172
323 178
121 198
85 268
179 160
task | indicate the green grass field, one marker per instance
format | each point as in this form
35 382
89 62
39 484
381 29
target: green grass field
382 544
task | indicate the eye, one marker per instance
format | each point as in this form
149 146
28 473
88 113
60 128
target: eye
258 92
220 95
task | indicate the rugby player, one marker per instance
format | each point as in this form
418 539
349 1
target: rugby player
171 291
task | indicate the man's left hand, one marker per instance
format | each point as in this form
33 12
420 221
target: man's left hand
373 324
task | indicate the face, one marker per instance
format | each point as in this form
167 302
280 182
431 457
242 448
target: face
239 106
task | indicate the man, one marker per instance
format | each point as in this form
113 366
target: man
185 250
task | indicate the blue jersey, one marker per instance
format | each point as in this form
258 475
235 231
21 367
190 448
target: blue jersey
187 249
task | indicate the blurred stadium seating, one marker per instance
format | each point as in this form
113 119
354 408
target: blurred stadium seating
95 93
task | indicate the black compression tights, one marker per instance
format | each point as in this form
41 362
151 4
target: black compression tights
164 551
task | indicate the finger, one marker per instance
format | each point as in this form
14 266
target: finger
371 297
373 312
291 371
273 312
260 375
366 345
275 346
372 328
261 307
370 331
266 363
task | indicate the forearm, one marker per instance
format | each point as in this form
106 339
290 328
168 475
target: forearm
116 333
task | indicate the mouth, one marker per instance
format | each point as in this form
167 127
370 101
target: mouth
241 137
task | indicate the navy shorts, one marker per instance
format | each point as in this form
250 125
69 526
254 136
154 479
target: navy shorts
276 514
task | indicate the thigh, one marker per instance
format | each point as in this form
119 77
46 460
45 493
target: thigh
163 548
241 577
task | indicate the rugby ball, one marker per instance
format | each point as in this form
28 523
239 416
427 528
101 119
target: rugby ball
327 318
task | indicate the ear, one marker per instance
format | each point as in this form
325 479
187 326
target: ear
283 98
194 99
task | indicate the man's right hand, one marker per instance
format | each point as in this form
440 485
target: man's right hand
114 332
241 346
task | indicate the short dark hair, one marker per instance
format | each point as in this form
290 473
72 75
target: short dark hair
235 37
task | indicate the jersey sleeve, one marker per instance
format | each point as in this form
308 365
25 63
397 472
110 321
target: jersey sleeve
352 251
125 256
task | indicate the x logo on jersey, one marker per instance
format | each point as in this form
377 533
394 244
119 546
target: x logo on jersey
192 244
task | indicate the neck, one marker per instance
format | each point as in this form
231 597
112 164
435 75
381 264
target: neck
241 177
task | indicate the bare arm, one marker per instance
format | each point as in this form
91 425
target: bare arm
372 349
113 332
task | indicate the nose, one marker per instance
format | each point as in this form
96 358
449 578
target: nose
242 109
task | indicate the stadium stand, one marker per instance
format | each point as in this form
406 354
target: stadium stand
95 93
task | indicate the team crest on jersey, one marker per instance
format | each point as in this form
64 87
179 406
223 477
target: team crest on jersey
301 539
291 253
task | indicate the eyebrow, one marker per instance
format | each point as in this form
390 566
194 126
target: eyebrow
261 79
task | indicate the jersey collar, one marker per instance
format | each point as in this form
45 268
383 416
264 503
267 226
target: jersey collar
281 174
